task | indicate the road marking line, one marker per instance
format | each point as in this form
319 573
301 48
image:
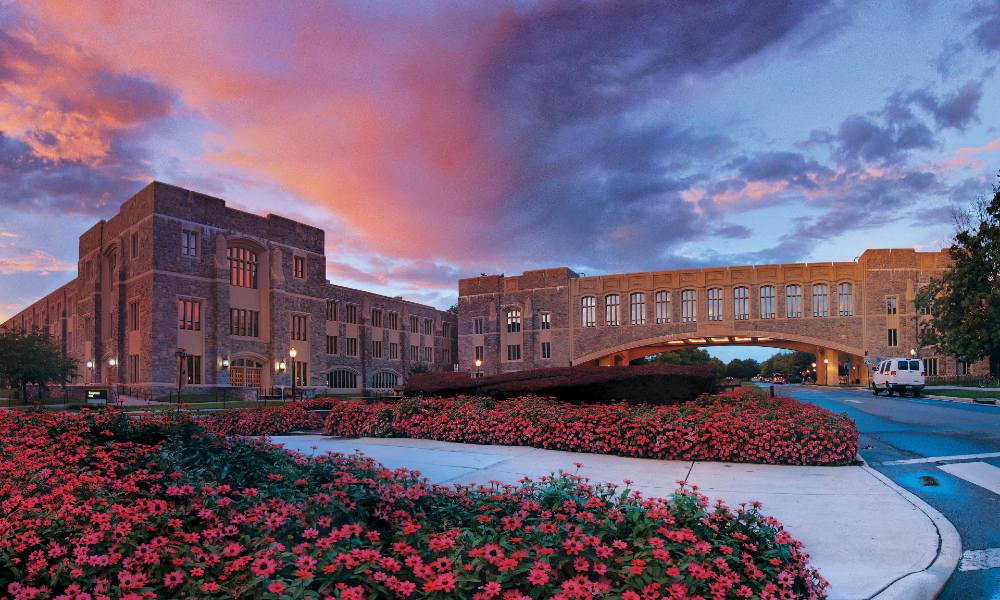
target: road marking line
977 560
854 401
982 474
930 459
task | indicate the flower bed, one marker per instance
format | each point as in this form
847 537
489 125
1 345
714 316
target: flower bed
105 506
268 420
737 427
645 384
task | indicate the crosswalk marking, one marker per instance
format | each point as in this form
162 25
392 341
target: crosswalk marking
977 560
982 474
930 459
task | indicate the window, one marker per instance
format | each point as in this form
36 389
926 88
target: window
192 370
479 353
385 380
546 350
300 328
689 306
914 365
931 367
242 267
135 246
331 344
428 327
414 324
661 302
513 320
514 352
299 266
414 353
427 354
891 338
133 368
393 351
845 300
376 317
188 314
741 303
715 304
351 313
588 311
961 367
546 320
890 305
611 305
245 323
376 348
793 301
133 315
820 307
767 302
331 310
189 244
446 355
352 346
637 308
446 329
342 379
300 371
393 321
477 326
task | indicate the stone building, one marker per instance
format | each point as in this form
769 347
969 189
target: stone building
179 271
847 313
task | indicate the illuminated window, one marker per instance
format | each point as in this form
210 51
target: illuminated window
546 320
637 308
820 306
513 320
242 267
715 304
188 314
611 309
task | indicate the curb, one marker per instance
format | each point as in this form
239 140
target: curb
928 582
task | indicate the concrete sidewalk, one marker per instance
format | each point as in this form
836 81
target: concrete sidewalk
865 535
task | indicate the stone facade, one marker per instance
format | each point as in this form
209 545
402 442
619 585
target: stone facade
845 313
167 246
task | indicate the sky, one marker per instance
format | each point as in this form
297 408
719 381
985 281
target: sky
436 140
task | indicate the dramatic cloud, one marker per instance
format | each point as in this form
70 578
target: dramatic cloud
987 33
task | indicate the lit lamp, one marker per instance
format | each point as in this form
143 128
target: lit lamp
225 363
826 361
112 362
292 354
913 352
814 365
479 363
90 368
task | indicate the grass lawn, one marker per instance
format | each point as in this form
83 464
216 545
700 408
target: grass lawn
962 393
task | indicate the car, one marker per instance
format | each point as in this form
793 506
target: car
898 375
778 378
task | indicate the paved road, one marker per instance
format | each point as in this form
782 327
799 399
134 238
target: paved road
965 489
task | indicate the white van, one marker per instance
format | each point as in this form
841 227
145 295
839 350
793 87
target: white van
898 375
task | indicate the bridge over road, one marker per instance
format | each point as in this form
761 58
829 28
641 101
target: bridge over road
844 312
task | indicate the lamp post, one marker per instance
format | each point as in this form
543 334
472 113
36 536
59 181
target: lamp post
479 365
292 354
90 370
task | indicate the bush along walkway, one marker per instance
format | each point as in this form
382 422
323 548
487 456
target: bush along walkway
155 506
741 426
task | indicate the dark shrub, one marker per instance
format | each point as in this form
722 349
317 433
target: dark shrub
646 384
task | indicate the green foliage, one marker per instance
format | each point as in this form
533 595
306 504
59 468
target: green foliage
32 359
791 364
964 303
742 368
689 356
419 368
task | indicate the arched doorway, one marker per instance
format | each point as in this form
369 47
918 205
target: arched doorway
246 372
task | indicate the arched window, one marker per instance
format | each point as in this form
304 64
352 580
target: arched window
820 302
741 303
612 304
689 306
385 380
715 304
637 306
767 302
342 379
242 267
793 301
662 300
588 311
845 300
513 320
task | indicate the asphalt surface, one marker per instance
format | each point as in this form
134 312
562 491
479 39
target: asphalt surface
893 429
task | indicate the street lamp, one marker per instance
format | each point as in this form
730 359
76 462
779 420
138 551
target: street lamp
90 370
814 365
826 361
913 352
292 354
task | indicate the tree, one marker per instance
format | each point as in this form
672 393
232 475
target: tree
689 356
964 303
791 364
742 368
32 359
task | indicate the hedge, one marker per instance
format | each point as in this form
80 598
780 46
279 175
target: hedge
646 384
